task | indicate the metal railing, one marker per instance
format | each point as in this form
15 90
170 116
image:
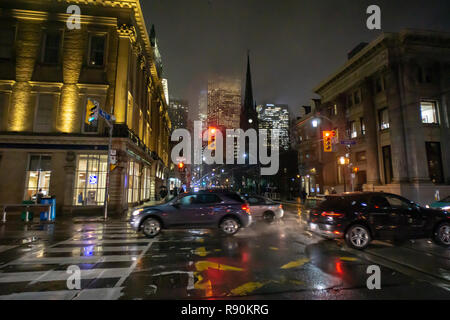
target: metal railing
26 208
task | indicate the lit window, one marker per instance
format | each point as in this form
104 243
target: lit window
38 176
384 119
353 130
363 126
90 184
428 111
97 51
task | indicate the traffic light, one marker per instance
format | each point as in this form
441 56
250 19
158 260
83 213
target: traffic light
355 170
91 111
181 166
212 138
327 146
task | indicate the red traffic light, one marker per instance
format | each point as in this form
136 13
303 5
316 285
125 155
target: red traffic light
181 165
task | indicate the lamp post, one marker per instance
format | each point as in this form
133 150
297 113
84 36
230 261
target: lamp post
344 161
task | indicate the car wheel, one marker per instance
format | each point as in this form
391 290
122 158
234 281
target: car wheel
229 226
442 234
269 216
151 227
358 237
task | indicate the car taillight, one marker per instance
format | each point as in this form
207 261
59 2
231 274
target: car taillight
332 214
246 208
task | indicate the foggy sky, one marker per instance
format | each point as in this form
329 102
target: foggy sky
294 44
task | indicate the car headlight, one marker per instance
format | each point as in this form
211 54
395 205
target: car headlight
137 212
447 208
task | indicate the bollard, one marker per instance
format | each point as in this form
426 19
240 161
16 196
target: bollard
4 214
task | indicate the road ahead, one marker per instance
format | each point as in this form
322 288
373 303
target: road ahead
278 261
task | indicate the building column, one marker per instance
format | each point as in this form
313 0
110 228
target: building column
369 118
396 128
28 43
69 181
127 36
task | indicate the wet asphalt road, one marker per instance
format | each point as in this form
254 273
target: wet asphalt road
277 261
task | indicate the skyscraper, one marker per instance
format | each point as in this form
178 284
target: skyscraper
224 102
203 106
275 116
178 113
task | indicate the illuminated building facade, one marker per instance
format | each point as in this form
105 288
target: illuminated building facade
390 101
47 73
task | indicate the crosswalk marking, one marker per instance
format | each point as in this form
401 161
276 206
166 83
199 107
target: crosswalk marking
74 260
85 294
97 249
88 245
99 242
56 275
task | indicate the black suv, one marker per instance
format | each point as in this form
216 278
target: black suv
364 216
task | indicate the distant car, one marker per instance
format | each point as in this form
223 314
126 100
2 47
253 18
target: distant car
222 210
264 208
443 204
362 217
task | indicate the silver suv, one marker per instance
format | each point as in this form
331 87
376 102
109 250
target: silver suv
210 209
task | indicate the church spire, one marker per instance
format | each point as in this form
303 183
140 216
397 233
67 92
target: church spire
248 99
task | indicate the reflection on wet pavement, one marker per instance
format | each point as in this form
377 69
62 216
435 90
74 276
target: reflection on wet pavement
279 261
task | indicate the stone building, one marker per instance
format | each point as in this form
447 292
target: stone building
47 73
391 101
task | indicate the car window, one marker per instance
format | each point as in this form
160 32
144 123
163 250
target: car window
255 200
188 200
235 197
379 201
209 198
396 202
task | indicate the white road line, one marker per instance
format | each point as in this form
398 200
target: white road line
86 294
96 249
57 275
133 266
74 260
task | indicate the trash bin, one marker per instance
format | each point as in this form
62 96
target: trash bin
45 215
24 213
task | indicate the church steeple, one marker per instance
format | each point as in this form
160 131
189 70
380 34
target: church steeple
248 99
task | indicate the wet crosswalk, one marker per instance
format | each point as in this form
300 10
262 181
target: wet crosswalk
104 254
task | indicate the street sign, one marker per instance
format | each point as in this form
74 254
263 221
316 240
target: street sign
348 142
105 115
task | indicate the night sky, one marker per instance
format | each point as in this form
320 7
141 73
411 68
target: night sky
294 44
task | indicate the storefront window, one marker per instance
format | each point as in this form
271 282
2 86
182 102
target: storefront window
145 190
38 176
134 177
90 181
